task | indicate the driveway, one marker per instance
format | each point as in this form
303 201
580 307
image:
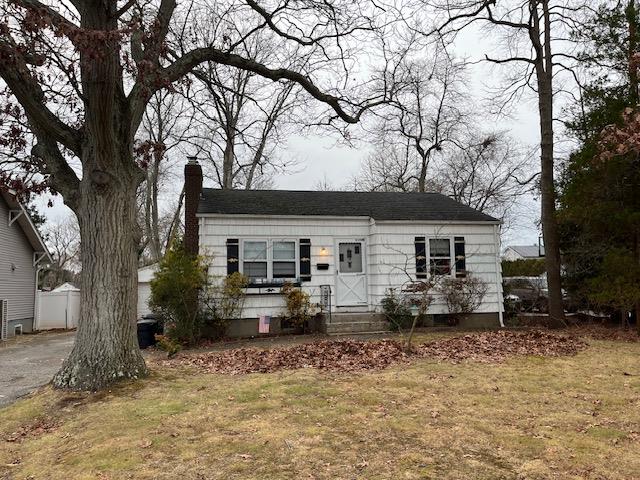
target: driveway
30 361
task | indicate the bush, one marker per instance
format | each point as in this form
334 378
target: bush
166 344
224 302
175 290
299 309
462 295
396 310
531 267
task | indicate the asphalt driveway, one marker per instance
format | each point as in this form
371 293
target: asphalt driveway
31 361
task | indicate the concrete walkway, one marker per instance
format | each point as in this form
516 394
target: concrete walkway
29 361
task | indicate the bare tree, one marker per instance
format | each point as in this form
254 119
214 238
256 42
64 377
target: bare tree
390 168
430 112
78 77
63 241
535 35
488 173
165 125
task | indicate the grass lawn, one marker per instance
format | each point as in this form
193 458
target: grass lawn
531 417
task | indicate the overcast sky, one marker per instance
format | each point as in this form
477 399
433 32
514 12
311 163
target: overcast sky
322 157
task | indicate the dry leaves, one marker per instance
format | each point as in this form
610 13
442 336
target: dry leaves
356 356
39 427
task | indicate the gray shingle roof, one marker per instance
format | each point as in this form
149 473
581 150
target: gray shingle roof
377 205
527 251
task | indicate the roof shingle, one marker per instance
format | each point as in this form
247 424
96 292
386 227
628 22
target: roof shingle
377 205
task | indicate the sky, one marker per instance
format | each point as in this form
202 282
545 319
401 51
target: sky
324 158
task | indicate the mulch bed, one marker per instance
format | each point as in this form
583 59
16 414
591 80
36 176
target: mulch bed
357 356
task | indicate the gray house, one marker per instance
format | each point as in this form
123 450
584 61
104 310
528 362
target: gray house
22 256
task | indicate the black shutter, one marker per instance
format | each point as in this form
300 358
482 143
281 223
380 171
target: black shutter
421 257
233 262
305 259
461 263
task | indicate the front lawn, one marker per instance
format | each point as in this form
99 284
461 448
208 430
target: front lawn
527 417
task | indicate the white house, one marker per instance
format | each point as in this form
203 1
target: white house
523 252
145 275
357 244
22 256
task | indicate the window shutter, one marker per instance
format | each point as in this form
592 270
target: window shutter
305 260
461 263
421 257
233 252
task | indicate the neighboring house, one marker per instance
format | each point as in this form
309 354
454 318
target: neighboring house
358 244
523 252
145 275
66 287
22 256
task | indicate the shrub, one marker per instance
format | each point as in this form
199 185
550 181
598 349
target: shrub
529 267
462 295
397 310
166 344
175 290
224 302
299 309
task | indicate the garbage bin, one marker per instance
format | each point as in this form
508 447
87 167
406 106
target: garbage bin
146 332
158 319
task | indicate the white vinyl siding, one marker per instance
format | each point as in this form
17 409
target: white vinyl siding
17 273
389 253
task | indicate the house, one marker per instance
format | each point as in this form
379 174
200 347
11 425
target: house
346 249
145 275
523 252
22 256
66 287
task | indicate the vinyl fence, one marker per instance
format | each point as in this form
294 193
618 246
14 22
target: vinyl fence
58 310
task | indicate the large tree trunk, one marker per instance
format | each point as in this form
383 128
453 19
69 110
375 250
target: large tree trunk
631 14
106 348
544 74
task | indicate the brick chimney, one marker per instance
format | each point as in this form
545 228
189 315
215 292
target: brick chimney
192 193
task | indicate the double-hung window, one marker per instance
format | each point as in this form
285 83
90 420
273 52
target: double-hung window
440 256
269 259
255 259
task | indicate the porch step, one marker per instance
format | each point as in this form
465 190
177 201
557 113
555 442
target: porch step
346 323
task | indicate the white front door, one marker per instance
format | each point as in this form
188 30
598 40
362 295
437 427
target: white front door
351 281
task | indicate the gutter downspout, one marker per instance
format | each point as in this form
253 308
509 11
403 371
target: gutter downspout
496 243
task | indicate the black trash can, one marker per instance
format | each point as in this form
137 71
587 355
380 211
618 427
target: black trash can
158 319
146 332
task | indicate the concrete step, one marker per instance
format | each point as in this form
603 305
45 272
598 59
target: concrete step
356 317
356 327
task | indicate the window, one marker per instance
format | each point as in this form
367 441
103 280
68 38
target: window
254 255
284 259
269 259
440 256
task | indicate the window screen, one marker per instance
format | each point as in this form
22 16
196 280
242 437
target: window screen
254 259
284 259
440 256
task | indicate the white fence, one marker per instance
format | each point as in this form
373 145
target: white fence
57 310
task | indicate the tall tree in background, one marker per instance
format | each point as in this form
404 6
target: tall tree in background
601 243
241 117
485 171
78 76
63 241
430 113
534 32
166 123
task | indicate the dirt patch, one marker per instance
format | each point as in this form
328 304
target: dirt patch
38 427
355 356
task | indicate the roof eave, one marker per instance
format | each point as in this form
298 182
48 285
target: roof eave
27 225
